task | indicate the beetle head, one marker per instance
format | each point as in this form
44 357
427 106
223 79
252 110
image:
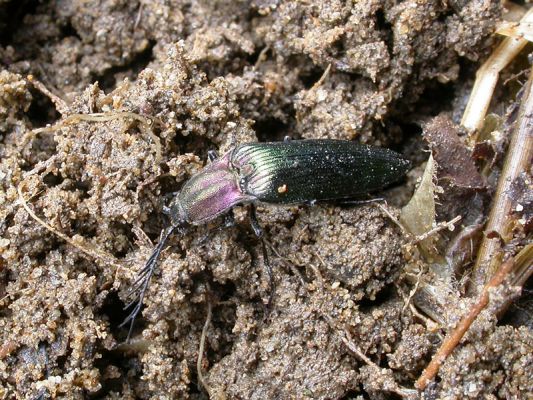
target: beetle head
176 213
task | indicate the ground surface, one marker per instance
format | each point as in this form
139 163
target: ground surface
201 76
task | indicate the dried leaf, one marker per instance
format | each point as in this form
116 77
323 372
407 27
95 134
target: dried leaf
464 189
453 158
418 216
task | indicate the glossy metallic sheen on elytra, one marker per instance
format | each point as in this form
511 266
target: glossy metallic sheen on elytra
282 172
285 172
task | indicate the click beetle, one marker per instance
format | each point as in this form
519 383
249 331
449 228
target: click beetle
289 172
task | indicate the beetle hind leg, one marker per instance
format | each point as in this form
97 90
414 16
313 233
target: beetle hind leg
260 234
362 201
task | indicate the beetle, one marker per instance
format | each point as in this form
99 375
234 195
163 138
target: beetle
288 172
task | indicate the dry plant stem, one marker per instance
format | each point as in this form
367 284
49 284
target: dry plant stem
145 124
487 76
93 253
453 339
523 266
413 290
518 159
138 19
450 225
440 226
395 220
22 291
512 11
322 78
517 30
522 271
61 105
317 84
288 262
261 57
349 343
7 348
201 349
346 338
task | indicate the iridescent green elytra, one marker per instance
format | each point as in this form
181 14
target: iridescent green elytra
307 170
282 172
296 171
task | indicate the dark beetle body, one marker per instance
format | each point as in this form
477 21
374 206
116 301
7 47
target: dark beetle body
296 171
282 173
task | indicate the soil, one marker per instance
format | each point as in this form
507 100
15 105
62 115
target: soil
173 80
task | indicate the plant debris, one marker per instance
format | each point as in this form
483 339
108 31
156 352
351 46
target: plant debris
107 108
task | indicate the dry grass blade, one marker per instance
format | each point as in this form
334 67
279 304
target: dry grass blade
487 77
79 243
500 222
516 30
144 123
60 104
201 349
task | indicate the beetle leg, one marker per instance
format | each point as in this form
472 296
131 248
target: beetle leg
259 233
271 281
229 219
212 155
168 198
233 139
254 222
361 202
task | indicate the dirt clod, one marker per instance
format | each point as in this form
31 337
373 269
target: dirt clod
149 88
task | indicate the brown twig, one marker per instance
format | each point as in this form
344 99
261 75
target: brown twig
518 159
453 338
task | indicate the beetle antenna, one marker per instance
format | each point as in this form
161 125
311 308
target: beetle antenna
138 290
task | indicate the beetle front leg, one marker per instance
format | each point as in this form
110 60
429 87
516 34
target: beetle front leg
254 222
212 155
229 219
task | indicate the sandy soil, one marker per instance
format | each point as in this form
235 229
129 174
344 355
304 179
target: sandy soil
176 79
